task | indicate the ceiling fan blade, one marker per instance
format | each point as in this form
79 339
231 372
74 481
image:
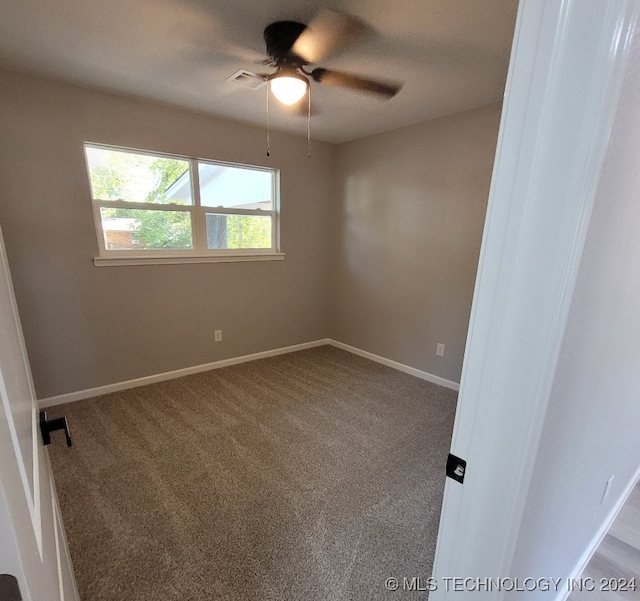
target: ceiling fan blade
247 55
328 32
355 82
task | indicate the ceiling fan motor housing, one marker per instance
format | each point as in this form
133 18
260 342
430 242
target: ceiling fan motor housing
279 38
329 31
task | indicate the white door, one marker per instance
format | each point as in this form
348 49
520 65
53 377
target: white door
567 68
33 547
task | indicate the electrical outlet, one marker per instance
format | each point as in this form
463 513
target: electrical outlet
218 336
605 493
440 349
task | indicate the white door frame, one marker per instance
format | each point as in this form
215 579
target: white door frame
565 77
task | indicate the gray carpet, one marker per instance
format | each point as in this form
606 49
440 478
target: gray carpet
310 476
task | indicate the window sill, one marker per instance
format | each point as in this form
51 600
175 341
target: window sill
113 261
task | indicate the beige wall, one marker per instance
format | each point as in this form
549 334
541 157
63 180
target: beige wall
381 236
411 208
87 326
591 427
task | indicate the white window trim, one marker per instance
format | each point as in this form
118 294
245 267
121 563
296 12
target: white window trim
199 253
129 260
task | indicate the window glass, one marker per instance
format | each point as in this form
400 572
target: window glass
131 177
238 231
145 205
235 187
145 230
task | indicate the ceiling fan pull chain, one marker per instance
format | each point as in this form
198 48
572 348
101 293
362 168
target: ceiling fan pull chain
309 123
268 86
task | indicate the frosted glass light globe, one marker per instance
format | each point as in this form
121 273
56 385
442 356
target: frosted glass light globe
288 90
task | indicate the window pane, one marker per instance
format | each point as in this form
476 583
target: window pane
238 231
237 187
137 229
119 175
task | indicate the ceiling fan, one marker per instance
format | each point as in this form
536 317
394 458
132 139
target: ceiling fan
293 46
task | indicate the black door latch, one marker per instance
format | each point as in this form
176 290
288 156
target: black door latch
456 468
50 425
9 589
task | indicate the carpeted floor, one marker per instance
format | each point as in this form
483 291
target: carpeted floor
309 476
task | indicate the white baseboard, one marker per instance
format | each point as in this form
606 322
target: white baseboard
600 534
423 375
170 375
178 373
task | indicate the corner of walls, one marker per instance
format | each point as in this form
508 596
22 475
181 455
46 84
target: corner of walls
381 237
409 214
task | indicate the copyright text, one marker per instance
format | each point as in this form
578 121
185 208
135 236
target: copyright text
460 584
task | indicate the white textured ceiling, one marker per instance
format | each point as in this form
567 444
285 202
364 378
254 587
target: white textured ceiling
451 55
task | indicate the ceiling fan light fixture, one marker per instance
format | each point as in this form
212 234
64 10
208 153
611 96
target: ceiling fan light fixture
288 86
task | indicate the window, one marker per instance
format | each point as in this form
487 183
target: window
153 206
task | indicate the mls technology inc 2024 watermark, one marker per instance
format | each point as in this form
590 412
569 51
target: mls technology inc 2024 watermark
460 584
